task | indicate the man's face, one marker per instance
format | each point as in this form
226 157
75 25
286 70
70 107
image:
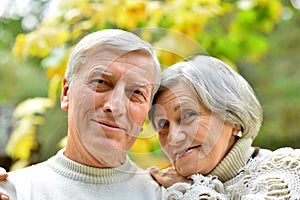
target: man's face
108 102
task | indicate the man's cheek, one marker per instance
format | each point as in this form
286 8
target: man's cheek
138 115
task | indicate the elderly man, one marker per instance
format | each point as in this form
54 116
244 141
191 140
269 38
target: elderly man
108 87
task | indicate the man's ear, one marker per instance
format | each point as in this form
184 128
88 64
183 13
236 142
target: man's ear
64 98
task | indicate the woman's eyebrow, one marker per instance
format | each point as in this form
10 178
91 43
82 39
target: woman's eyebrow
179 106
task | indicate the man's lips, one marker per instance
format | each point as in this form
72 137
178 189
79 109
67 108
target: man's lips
109 124
186 151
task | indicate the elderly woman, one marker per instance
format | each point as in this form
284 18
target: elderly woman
207 116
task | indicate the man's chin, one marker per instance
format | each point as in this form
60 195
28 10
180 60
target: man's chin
112 163
111 158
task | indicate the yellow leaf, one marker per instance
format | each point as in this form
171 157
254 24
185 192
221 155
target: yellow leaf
18 49
175 46
32 106
135 10
62 143
72 16
22 140
61 37
27 114
55 88
141 146
148 160
19 165
155 13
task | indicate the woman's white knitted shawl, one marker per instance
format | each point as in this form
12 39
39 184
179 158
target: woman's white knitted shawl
276 176
203 187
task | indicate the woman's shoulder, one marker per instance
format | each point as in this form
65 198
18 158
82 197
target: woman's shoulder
203 187
271 172
283 158
281 151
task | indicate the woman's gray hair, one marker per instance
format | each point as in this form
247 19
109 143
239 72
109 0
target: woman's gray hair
221 89
114 39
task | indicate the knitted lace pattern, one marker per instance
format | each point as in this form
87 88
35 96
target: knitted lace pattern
276 176
203 187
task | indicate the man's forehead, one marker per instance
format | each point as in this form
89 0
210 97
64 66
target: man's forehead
113 53
140 79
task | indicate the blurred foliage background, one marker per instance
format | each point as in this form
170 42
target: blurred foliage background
259 38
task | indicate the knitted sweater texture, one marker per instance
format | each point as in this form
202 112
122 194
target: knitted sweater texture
64 179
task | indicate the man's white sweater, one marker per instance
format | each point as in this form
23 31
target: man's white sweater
62 178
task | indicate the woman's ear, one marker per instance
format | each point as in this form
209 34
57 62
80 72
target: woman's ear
237 131
64 98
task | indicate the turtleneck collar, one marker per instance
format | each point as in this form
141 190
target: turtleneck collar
235 160
79 172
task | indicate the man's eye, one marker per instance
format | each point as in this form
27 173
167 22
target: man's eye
138 92
99 85
99 81
137 96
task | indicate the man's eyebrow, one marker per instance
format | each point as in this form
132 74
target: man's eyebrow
104 73
101 72
140 84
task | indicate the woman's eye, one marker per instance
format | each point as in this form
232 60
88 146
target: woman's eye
189 114
162 123
162 127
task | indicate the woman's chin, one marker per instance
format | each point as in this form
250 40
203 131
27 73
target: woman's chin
185 170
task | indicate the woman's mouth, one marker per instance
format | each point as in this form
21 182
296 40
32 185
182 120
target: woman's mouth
185 152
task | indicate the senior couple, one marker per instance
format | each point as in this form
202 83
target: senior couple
206 116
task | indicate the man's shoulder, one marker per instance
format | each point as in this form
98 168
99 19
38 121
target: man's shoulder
29 172
19 180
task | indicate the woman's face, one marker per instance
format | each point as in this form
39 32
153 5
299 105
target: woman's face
194 138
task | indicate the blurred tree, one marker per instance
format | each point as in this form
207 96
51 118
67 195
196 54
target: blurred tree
18 17
234 31
277 83
18 80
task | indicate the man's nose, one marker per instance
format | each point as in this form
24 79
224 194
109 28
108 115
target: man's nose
176 135
115 102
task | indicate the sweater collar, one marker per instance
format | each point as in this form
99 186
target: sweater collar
76 171
235 160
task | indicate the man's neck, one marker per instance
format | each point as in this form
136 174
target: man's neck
78 153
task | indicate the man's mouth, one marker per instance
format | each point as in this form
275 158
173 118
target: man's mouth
108 124
185 152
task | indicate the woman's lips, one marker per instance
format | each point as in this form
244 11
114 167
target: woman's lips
185 152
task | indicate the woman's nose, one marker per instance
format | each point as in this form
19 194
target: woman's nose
176 135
